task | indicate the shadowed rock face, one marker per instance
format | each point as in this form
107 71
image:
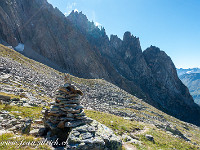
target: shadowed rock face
77 46
45 31
170 92
52 39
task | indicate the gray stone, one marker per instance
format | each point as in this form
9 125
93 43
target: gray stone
13 128
5 99
91 129
61 99
71 105
76 133
5 131
67 118
38 121
79 107
34 132
13 121
71 102
149 137
126 138
42 132
26 105
80 114
83 128
94 136
86 135
74 123
19 126
70 115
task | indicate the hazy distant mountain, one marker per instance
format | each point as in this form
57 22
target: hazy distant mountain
182 71
77 46
191 78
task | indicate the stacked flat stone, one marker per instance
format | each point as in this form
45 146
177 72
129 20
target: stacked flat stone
66 112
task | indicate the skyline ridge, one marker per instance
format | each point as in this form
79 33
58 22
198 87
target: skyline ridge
170 25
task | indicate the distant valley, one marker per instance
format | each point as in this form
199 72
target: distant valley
191 78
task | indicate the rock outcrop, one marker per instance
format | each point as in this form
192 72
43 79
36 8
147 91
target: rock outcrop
75 45
94 136
171 94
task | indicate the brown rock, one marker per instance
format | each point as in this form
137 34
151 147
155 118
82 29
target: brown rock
54 114
64 90
61 125
71 105
58 101
81 117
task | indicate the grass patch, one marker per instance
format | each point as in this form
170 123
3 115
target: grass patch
10 95
9 142
32 112
116 123
164 141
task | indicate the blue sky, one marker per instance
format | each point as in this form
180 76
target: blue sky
171 25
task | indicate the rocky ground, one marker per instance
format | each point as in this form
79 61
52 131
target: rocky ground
28 86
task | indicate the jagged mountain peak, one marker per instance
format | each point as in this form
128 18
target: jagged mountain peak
80 20
153 49
129 39
115 41
128 36
92 32
75 15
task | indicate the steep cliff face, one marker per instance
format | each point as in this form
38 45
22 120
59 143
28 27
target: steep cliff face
52 39
82 49
45 31
151 71
169 91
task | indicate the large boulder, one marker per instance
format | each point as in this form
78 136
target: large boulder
4 99
93 136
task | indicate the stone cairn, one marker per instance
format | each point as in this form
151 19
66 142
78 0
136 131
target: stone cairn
66 112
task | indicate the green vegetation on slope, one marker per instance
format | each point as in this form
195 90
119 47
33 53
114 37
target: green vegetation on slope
10 141
162 139
116 123
144 111
31 112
